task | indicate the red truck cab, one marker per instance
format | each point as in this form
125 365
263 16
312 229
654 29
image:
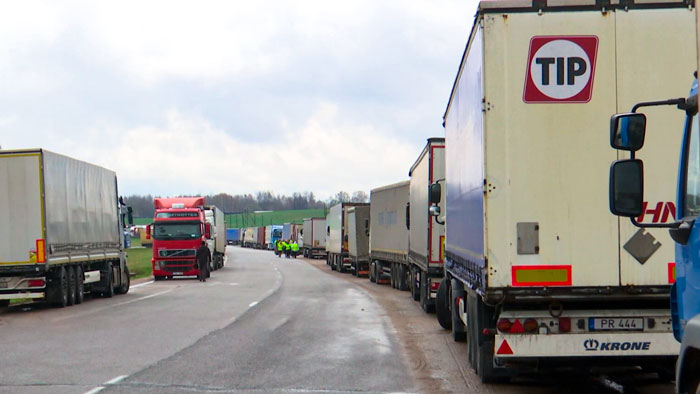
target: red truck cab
179 226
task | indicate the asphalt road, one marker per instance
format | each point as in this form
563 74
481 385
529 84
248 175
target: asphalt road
260 324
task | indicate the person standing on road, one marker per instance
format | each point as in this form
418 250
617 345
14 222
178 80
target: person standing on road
295 249
203 258
287 249
280 248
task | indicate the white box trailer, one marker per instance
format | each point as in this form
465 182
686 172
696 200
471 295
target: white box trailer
533 256
62 229
314 237
336 242
217 242
250 237
358 239
426 236
389 235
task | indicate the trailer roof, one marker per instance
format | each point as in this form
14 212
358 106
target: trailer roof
392 186
433 140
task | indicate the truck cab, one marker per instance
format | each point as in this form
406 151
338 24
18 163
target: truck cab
626 199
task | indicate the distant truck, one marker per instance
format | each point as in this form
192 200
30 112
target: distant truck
358 239
336 240
179 227
273 233
291 231
250 237
217 242
537 272
62 229
426 236
233 236
389 235
314 237
262 240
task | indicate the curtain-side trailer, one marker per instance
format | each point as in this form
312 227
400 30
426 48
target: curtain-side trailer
389 235
537 271
62 229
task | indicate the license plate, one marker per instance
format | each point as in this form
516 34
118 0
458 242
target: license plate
177 273
616 324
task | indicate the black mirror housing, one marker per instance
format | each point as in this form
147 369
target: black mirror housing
626 187
434 193
627 131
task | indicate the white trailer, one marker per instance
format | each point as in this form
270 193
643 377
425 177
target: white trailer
314 237
358 240
336 240
250 237
426 236
389 235
62 229
537 271
217 241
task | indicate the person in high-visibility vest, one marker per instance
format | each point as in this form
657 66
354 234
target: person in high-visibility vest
287 249
295 249
280 248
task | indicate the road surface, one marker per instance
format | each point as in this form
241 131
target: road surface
260 324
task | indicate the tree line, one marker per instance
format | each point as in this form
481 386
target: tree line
261 201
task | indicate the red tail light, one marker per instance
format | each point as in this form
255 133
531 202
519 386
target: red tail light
530 325
36 283
503 325
564 324
434 285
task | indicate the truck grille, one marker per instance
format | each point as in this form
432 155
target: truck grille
176 252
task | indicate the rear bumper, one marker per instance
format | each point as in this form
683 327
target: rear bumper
527 346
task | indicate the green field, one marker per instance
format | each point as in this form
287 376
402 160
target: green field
252 219
139 260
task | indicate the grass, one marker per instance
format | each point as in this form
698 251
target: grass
139 260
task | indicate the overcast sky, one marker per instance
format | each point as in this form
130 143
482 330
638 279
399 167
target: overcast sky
231 96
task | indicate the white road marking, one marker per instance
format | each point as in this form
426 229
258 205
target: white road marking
95 390
142 284
144 297
83 313
233 284
116 380
252 304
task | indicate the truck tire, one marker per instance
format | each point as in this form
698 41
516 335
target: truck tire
415 292
72 285
481 318
108 291
124 288
4 303
60 288
79 276
456 290
372 278
403 278
442 305
472 338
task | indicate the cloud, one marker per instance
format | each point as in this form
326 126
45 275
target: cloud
189 155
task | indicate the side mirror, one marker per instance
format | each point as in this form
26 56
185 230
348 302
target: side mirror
627 131
148 231
328 230
408 216
434 193
626 187
130 216
434 210
367 227
345 238
207 230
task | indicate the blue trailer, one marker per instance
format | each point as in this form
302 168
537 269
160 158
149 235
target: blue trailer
626 199
233 236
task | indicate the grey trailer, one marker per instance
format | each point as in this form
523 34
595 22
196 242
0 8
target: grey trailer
336 242
358 240
389 235
314 233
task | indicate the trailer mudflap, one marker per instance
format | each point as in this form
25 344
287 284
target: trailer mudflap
582 345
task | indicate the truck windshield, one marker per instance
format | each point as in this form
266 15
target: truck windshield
692 176
164 231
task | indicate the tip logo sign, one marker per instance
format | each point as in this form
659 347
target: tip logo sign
560 69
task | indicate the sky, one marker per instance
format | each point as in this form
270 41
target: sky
231 96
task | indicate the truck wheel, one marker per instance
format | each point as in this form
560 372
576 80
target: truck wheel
403 282
72 285
472 338
158 278
442 306
4 303
124 288
108 292
60 284
483 315
414 285
80 293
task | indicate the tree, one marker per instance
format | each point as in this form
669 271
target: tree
359 196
